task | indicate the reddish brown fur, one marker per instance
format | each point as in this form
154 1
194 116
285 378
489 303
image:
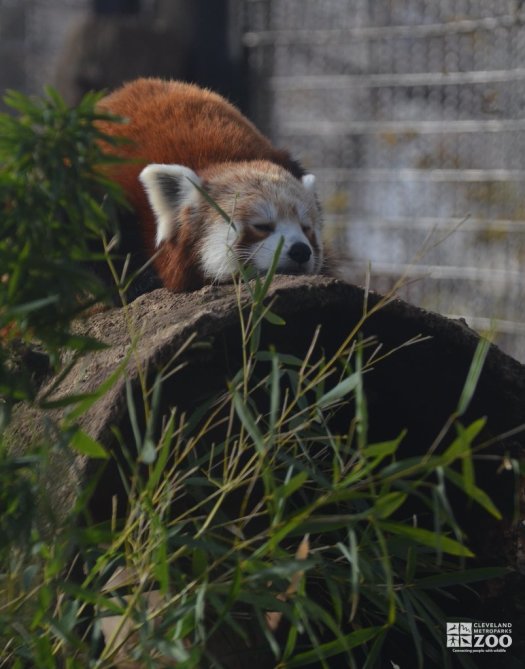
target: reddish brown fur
177 263
177 123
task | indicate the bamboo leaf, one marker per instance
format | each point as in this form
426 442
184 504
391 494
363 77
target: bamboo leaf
82 443
463 442
211 201
275 391
384 448
428 538
292 485
460 577
475 493
339 391
248 421
274 319
474 373
337 647
387 504
273 268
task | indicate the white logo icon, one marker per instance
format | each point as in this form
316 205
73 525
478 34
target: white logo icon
459 635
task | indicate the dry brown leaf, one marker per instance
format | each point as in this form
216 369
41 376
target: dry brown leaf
273 618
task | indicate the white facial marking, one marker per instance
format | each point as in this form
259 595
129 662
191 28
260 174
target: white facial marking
218 256
169 188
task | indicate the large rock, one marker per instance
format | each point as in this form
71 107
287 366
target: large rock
417 387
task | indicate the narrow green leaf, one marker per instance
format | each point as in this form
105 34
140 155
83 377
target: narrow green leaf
373 656
428 538
132 415
67 401
291 642
211 202
467 470
473 375
163 454
85 344
85 445
275 391
463 442
361 406
28 307
336 647
460 577
387 504
474 493
272 269
411 564
283 358
55 98
384 448
105 604
274 319
401 468
199 562
248 421
339 391
351 554
411 619
294 484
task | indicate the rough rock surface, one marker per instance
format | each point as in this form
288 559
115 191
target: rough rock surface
417 387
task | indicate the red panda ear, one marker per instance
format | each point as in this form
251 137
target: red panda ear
169 188
308 181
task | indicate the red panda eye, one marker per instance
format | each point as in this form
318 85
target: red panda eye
264 227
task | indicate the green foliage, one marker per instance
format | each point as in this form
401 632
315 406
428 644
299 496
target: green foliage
277 515
51 210
251 524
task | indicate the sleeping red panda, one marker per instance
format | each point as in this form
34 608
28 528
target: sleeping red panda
184 139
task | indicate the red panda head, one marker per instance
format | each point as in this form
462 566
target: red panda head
263 203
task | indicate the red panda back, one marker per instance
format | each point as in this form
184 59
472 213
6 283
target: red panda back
175 122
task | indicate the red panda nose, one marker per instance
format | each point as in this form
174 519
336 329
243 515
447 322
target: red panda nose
300 252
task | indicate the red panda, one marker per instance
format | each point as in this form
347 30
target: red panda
185 140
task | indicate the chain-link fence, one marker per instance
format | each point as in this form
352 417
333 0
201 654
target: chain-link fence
412 114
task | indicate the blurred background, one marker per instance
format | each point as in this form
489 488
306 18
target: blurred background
410 112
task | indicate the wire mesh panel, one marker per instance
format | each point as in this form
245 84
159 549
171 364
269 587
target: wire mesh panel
412 115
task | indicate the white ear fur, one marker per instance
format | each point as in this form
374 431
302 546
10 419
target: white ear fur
169 188
308 181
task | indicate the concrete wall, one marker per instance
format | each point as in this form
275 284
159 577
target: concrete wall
63 43
32 33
